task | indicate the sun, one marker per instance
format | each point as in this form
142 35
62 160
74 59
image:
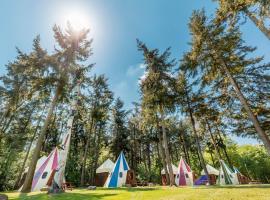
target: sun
78 20
77 17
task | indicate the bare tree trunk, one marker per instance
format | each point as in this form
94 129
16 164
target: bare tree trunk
29 177
196 137
162 154
96 154
183 141
213 162
224 147
258 23
85 153
213 140
167 152
246 106
16 185
148 156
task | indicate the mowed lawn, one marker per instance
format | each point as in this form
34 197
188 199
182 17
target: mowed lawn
244 192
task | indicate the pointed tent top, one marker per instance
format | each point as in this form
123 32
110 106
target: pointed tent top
107 166
211 170
226 166
183 162
175 169
125 164
236 170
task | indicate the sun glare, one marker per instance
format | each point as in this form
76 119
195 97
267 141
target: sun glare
78 18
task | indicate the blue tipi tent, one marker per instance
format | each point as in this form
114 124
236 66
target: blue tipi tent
118 176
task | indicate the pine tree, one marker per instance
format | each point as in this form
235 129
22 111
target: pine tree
221 55
157 91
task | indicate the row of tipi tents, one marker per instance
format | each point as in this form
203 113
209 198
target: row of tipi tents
224 176
118 174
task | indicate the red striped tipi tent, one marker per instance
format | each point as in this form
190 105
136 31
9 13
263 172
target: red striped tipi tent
184 175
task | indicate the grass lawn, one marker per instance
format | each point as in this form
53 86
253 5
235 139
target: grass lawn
244 192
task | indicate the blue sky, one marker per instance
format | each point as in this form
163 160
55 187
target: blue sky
115 25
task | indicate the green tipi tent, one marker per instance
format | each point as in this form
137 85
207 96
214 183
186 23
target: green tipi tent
226 175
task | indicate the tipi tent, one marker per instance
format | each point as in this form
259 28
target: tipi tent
213 174
45 170
175 170
211 170
107 166
226 175
50 170
118 176
103 172
163 174
184 175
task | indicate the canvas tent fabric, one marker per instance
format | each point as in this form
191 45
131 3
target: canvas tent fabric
107 166
59 176
175 169
45 170
226 175
118 176
184 176
201 180
211 170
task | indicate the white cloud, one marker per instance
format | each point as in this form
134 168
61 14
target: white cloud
142 77
135 70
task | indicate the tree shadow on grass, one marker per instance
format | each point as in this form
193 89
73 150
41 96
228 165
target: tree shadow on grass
261 186
133 189
63 196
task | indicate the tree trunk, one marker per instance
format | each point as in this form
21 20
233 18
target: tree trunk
162 154
16 185
224 147
85 153
196 137
95 154
246 106
29 177
148 156
258 23
183 141
213 140
213 162
167 153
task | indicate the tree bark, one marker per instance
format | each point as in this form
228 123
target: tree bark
196 137
162 154
183 141
16 185
213 141
30 174
246 106
85 153
258 23
167 152
224 147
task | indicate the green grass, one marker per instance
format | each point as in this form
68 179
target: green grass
244 192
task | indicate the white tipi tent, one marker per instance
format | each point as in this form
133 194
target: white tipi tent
107 166
45 170
118 176
226 175
211 170
184 175
175 170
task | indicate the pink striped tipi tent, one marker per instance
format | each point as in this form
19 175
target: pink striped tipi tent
45 171
184 176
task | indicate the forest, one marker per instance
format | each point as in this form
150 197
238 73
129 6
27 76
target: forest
189 107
